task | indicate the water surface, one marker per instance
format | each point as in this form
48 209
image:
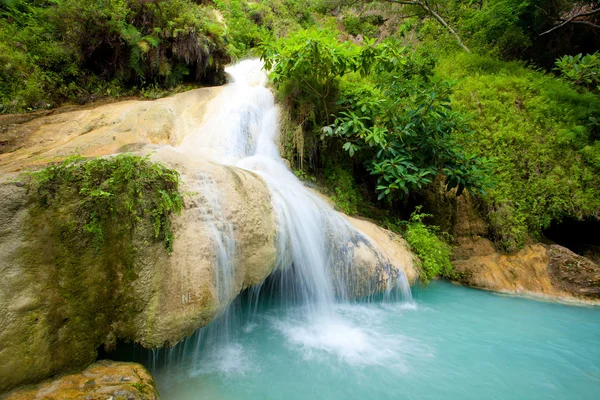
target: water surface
452 343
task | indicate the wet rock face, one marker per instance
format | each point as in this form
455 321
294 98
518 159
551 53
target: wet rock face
479 265
384 255
100 381
179 292
112 128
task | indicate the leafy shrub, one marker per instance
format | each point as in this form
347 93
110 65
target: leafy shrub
161 41
581 70
113 192
250 23
405 128
434 253
510 29
362 25
500 24
311 61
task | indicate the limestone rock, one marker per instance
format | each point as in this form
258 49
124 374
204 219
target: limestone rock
100 381
539 270
389 245
573 273
54 319
107 129
379 252
180 290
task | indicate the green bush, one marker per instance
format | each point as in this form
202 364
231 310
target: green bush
362 25
434 253
541 133
401 125
250 23
581 70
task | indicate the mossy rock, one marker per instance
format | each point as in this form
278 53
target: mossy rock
66 289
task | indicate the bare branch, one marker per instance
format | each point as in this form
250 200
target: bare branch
571 19
586 23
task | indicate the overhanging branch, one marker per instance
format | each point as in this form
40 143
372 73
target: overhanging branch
573 19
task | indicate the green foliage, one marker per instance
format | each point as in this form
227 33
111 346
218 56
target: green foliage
506 28
161 41
366 25
250 23
434 253
245 25
303 176
340 181
311 61
139 386
501 24
399 120
404 127
544 139
581 70
119 191
53 51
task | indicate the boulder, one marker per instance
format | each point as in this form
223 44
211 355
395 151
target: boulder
180 290
572 273
100 381
58 305
384 248
540 270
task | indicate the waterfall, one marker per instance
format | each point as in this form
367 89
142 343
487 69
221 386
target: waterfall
315 244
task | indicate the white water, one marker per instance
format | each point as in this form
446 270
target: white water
314 260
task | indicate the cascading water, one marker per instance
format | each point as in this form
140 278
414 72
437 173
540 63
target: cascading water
314 243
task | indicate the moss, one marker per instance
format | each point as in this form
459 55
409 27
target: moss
118 192
140 387
83 274
345 194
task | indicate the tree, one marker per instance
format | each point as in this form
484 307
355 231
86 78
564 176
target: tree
403 129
